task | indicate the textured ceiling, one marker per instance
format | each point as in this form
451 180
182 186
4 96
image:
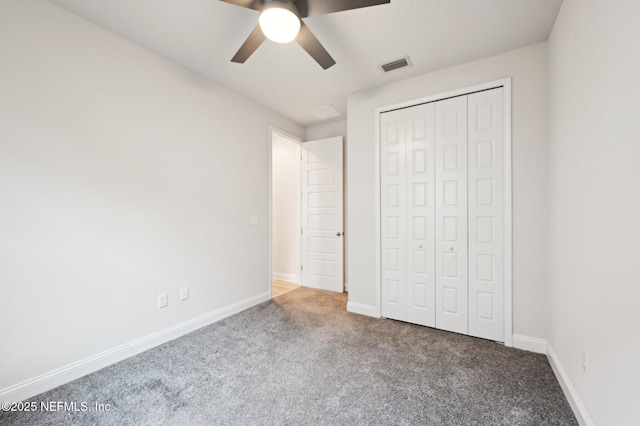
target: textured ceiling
203 35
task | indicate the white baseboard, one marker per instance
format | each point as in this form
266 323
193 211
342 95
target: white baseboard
291 278
541 346
32 387
570 392
362 309
531 344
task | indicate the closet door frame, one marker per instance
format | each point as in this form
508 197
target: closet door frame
508 237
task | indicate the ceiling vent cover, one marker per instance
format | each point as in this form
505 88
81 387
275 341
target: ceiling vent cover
397 64
325 112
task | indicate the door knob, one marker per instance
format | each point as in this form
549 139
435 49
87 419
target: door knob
419 245
451 248
338 234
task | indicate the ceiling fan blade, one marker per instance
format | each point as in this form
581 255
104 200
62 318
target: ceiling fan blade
310 43
250 45
322 7
249 4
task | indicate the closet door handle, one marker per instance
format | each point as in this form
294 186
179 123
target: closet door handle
338 234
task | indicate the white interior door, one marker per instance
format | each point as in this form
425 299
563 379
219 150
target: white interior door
486 215
451 214
407 227
420 236
322 254
442 195
393 215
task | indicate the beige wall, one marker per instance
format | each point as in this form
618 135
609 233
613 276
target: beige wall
326 130
528 67
122 176
594 247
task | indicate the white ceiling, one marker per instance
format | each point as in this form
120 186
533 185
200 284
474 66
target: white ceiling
203 35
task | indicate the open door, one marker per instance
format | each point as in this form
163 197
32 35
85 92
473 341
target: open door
322 256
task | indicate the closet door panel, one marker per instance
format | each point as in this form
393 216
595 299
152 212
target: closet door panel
393 215
451 214
486 215
420 241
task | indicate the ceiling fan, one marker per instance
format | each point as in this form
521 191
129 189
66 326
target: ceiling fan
281 21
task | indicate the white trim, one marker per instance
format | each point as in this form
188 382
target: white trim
284 134
508 221
377 188
504 82
274 130
508 218
37 385
290 278
362 309
531 344
579 410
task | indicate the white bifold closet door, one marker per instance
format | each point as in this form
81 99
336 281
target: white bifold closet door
451 214
408 292
486 215
442 202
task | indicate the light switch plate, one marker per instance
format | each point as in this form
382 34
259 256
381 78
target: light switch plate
163 300
184 293
253 220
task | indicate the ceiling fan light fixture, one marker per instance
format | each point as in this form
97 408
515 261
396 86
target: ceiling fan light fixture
279 21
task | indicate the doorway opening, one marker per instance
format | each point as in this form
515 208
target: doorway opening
307 213
285 213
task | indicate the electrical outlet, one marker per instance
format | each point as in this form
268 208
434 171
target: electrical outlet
585 361
184 293
163 300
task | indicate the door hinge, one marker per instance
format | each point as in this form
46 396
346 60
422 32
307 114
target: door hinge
301 230
301 267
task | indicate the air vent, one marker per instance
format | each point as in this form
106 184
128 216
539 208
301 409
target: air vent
397 64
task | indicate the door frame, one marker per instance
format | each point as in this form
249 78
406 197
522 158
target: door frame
274 130
505 83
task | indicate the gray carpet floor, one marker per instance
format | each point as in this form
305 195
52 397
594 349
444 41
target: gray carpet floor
301 359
